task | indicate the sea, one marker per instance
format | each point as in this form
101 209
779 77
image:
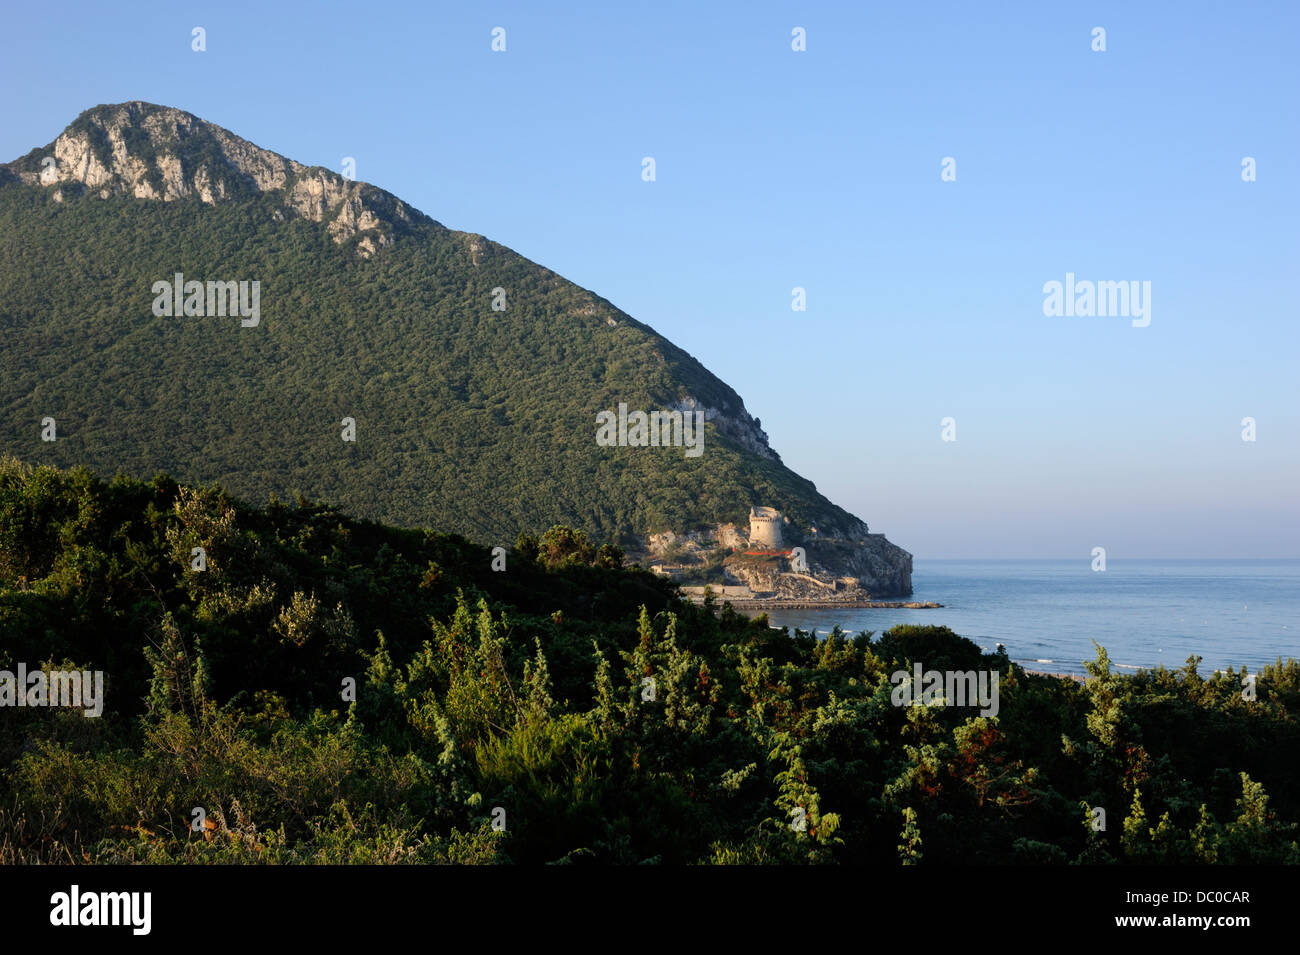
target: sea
1145 613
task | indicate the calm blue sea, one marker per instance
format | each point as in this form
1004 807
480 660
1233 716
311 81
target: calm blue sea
1144 612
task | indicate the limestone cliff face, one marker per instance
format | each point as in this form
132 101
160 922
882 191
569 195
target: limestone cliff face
735 422
872 568
883 569
879 567
165 154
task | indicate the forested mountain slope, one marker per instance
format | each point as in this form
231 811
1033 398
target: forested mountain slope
466 418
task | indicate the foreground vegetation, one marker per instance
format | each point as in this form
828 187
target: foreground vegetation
584 707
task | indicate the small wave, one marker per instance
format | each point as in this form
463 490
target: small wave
1044 661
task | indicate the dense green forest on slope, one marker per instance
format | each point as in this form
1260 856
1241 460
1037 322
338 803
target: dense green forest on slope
584 707
476 421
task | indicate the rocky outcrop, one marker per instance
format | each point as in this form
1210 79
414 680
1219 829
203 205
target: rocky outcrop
883 569
165 154
737 424
836 571
837 568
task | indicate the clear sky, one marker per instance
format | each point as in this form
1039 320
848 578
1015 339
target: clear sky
821 169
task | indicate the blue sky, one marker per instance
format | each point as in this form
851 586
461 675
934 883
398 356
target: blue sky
821 169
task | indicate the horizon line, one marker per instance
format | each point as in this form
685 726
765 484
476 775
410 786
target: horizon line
1109 559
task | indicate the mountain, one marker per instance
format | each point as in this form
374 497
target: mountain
468 378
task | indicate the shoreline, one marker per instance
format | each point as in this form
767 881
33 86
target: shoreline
1076 677
787 603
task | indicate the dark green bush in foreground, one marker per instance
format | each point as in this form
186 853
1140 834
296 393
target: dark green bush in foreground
585 706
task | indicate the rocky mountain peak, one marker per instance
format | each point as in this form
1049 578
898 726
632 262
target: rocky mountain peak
161 153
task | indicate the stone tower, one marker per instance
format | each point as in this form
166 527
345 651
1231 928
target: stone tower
765 527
